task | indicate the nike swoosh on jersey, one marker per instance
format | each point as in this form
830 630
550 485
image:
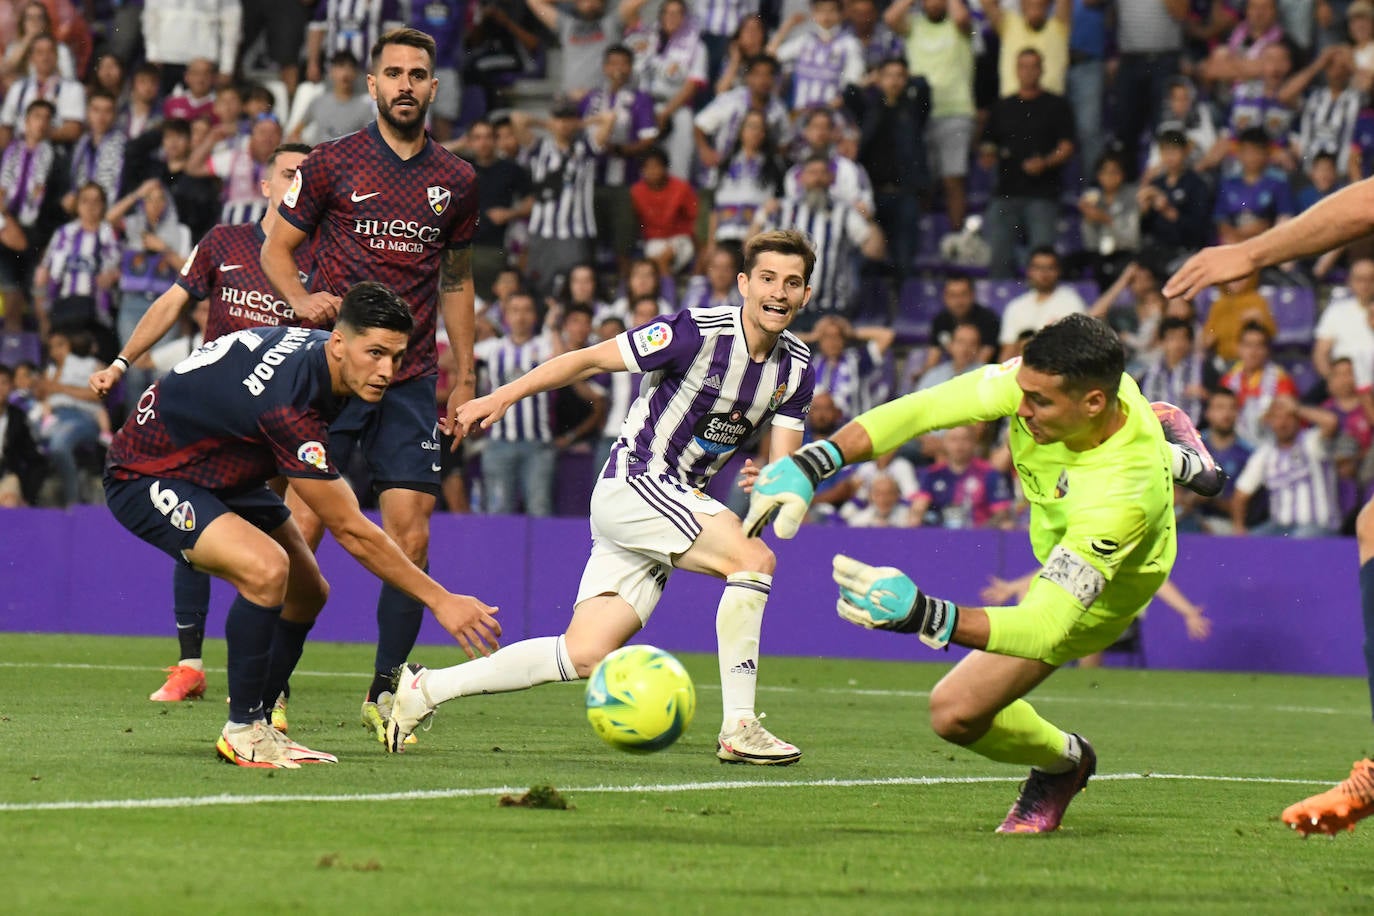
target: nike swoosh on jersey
225 268
359 198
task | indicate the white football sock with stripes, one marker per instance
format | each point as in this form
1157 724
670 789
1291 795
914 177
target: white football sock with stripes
739 621
519 666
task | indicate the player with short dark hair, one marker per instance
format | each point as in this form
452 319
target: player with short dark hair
188 474
388 203
713 377
226 270
1096 468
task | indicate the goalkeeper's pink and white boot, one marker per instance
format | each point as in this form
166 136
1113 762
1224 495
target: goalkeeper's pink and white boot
1193 466
1045 796
750 742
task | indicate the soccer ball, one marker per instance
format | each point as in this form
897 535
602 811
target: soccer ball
640 699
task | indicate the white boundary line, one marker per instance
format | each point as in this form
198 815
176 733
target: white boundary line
844 691
661 789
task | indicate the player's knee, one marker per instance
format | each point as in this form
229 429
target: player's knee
950 717
263 578
414 544
754 556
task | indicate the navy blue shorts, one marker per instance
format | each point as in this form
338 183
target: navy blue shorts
399 436
170 514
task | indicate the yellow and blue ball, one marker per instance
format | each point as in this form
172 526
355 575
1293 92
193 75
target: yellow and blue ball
640 699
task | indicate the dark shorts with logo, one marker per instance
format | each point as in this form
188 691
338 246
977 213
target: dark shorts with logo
170 514
399 436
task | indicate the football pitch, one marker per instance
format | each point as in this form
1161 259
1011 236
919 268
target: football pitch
112 803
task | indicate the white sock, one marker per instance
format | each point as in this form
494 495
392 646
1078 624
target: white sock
739 620
518 666
196 663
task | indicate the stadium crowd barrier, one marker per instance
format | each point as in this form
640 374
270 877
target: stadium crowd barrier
1277 605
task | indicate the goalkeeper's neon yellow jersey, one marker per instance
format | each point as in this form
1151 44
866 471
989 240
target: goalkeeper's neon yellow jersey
1102 520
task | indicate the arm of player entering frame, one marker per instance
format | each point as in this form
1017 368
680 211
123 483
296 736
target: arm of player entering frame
161 316
570 367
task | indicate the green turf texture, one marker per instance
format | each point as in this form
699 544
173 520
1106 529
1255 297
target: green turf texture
1149 845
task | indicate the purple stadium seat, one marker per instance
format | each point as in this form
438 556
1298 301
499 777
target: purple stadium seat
1295 313
932 227
1304 375
995 294
20 347
919 304
1070 234
1087 290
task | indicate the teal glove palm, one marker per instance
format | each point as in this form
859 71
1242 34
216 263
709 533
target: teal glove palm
784 488
885 598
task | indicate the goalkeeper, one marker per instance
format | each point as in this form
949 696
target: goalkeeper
1096 466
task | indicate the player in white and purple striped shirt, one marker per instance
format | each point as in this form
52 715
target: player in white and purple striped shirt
713 377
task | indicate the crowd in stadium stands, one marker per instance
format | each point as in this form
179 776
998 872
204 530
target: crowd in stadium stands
969 170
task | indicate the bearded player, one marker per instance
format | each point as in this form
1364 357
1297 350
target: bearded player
226 270
389 204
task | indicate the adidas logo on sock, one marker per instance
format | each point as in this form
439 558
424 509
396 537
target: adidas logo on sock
712 381
745 667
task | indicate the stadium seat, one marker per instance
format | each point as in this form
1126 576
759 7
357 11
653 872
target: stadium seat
931 229
995 294
1070 235
1304 374
1295 314
1088 290
20 347
919 304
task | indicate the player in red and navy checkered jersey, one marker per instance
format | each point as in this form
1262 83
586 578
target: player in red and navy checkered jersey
188 474
225 269
388 203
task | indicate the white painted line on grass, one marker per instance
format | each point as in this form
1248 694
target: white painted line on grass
206 801
1191 705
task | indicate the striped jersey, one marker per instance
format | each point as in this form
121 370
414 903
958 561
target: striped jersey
703 396
355 25
531 418
849 182
101 161
722 17
836 232
821 67
1327 125
25 173
563 183
226 269
76 256
1300 480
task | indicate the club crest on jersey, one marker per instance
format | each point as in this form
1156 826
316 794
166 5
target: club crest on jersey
652 338
1061 488
293 193
183 517
312 453
438 199
779 393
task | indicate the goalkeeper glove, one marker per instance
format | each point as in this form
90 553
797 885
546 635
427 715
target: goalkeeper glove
883 598
785 487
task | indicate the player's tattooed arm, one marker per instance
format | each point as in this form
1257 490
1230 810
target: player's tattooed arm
455 270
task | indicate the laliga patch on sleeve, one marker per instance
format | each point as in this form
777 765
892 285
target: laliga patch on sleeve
312 453
190 259
293 193
1010 365
1074 575
652 338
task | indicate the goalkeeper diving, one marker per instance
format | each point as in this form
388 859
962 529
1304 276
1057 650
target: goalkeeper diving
1098 469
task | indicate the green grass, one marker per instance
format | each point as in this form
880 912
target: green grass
73 734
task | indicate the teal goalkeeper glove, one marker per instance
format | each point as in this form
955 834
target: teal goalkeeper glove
883 598
785 487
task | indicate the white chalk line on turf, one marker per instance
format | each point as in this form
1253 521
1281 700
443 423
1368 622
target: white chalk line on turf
1193 705
661 789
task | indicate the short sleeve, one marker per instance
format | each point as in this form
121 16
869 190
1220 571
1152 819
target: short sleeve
198 271
712 118
465 226
792 413
298 439
666 343
1252 475
306 200
71 101
856 227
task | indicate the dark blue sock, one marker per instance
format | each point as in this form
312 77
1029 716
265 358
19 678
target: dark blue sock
248 631
191 604
1367 607
398 625
288 641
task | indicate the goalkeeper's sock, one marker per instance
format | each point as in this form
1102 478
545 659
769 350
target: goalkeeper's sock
398 626
519 666
248 632
191 605
1367 607
1019 735
288 642
739 621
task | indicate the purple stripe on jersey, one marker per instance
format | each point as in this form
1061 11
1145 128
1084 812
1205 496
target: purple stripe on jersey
701 404
748 388
663 395
674 512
